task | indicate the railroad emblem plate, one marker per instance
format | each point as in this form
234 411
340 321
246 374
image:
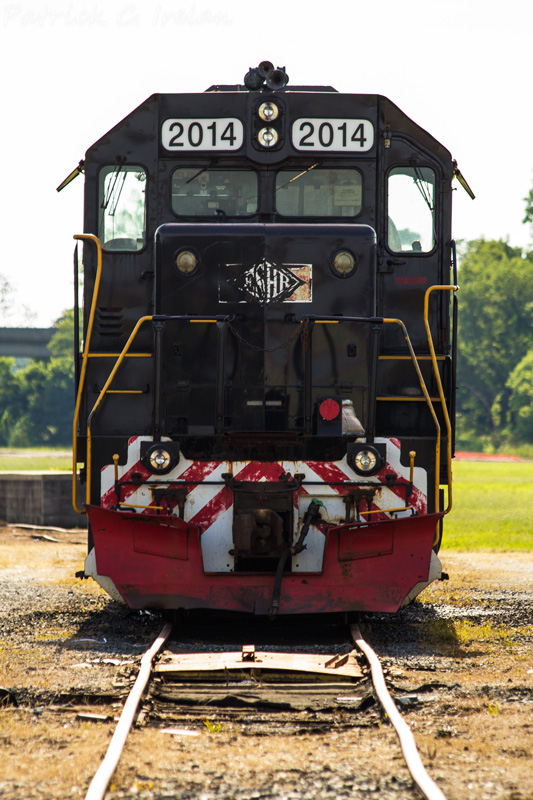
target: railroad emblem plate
266 282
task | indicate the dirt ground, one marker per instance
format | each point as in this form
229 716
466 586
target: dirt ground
459 664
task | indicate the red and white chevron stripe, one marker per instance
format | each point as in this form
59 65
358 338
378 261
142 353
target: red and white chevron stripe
208 506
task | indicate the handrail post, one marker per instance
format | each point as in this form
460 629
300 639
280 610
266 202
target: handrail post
374 352
428 402
222 332
158 332
452 288
86 348
100 397
307 346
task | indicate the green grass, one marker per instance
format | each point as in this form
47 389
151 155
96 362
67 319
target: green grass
42 460
491 507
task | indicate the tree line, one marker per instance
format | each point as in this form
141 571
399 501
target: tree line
494 370
495 361
37 399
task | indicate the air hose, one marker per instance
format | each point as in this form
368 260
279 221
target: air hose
311 516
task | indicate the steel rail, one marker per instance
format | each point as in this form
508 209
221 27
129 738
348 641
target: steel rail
100 782
425 784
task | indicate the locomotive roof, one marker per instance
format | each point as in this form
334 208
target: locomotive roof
141 124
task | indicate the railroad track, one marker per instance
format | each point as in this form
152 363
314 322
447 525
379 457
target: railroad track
208 679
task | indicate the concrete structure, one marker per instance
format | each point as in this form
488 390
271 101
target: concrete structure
25 342
39 498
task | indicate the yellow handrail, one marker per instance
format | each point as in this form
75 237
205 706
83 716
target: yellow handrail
450 288
85 237
408 358
429 404
144 319
103 391
387 510
403 398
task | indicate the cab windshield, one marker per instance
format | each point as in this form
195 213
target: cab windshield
319 192
198 192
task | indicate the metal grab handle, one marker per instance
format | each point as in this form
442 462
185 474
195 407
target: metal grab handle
86 347
447 421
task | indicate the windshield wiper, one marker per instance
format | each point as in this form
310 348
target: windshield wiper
74 174
196 174
114 191
317 164
457 174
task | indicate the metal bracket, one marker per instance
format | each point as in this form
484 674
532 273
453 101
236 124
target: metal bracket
248 652
337 661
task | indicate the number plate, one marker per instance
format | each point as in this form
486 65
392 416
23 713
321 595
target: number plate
179 135
333 135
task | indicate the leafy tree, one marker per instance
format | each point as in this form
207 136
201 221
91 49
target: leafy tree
10 399
520 386
62 342
528 217
495 330
47 390
37 402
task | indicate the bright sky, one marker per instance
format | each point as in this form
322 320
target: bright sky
73 68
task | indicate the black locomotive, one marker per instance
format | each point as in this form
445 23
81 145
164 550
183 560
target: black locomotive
264 417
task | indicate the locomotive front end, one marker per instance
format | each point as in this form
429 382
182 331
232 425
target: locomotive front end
273 431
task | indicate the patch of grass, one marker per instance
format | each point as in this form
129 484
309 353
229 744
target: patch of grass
52 635
454 635
41 459
491 507
468 631
441 631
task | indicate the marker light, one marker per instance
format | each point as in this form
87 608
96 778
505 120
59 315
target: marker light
343 263
160 459
186 262
329 409
267 137
268 111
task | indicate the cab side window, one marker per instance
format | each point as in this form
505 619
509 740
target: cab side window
122 207
411 209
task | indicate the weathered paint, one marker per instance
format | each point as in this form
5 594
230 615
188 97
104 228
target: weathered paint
208 507
157 563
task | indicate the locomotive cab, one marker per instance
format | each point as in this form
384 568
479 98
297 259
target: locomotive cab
265 392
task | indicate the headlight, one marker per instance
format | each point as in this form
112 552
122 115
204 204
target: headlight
268 111
160 460
343 263
186 262
267 137
367 461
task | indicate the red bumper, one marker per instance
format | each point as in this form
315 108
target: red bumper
156 562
